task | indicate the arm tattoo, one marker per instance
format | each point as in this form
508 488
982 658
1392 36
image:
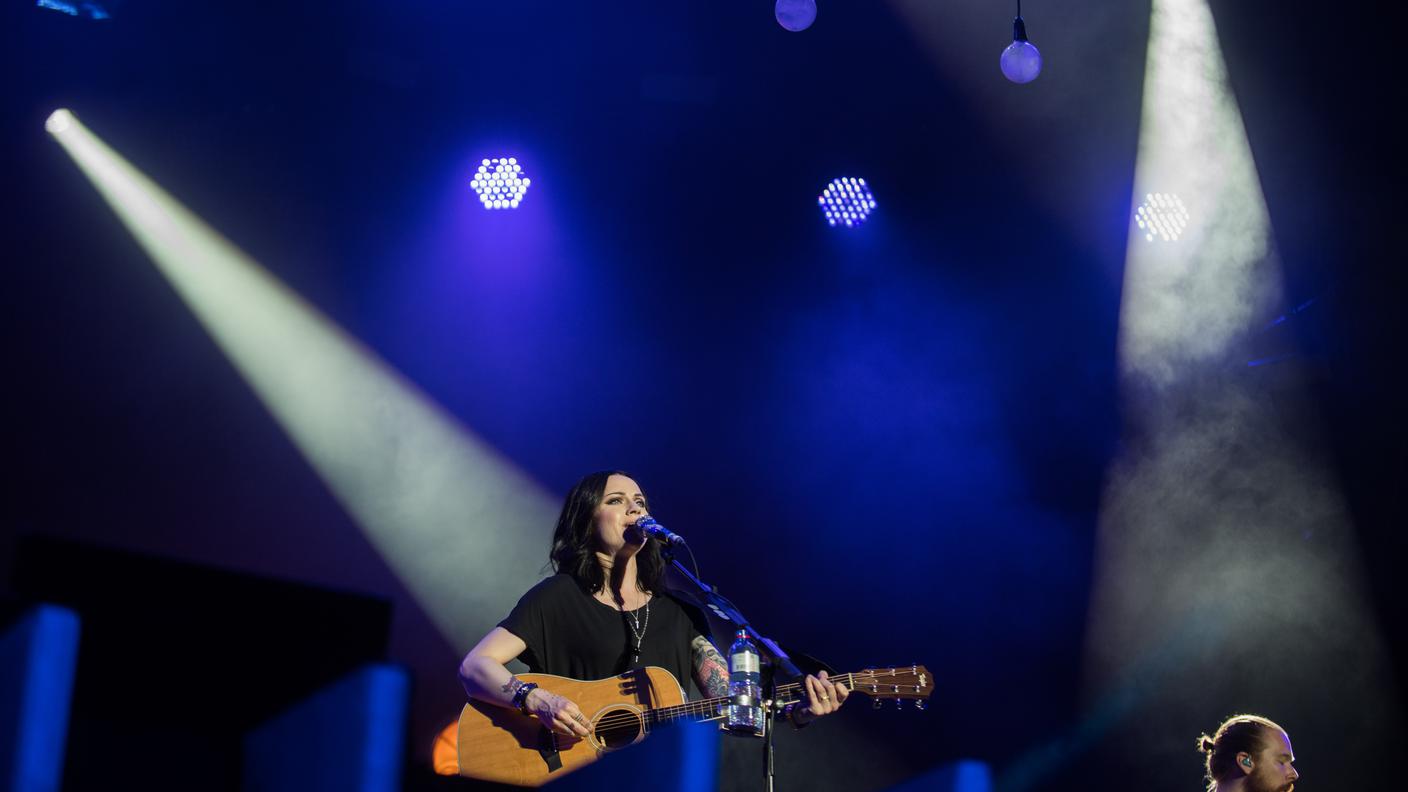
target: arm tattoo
512 685
710 670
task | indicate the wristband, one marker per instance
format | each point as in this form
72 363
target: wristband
520 697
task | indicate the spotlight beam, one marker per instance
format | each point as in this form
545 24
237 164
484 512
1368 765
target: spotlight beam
1185 304
1219 503
458 523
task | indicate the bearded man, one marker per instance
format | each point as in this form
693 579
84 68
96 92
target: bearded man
1249 753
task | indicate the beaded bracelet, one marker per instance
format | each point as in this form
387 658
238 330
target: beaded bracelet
520 697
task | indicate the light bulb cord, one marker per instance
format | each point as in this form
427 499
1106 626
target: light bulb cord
1019 29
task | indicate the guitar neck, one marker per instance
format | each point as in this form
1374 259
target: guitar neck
898 682
711 708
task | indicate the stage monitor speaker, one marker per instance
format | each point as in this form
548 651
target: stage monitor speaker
178 661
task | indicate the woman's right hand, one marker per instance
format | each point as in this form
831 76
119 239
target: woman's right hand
558 713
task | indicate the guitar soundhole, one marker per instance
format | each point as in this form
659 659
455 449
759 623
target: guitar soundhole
617 728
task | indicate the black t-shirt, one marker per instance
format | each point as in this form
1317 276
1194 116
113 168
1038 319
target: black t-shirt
573 634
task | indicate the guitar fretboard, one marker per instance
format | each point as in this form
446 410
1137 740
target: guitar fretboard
862 681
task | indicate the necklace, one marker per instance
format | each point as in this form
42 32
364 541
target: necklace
638 627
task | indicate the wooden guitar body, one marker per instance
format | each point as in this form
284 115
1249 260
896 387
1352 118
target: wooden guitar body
503 745
498 744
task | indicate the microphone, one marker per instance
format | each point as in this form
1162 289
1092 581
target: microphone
648 525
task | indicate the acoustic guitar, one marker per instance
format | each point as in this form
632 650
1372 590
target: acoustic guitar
503 745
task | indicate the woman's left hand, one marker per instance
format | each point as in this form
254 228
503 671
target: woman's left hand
823 698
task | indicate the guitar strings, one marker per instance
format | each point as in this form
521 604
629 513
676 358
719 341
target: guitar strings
710 706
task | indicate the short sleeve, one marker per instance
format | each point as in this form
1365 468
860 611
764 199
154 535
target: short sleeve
527 621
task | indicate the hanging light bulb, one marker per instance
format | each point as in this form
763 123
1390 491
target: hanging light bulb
1021 61
795 15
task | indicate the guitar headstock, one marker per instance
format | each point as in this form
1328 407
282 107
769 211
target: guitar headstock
897 682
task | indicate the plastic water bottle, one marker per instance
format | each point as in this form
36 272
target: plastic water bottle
744 712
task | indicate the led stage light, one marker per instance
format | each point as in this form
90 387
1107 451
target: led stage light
500 183
846 201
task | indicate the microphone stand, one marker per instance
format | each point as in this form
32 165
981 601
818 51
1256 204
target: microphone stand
708 598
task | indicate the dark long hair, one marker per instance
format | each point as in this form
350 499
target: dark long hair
1237 734
572 550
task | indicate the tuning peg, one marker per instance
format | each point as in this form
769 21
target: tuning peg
919 704
876 703
899 704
